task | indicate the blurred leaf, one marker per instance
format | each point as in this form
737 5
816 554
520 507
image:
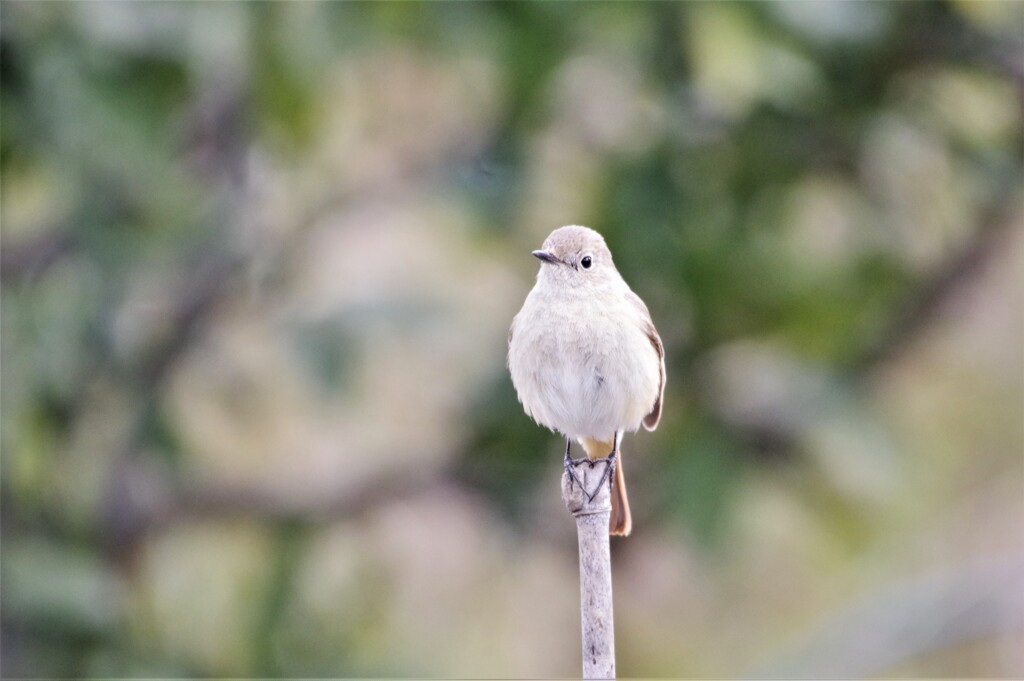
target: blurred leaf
507 455
58 588
328 351
284 94
696 478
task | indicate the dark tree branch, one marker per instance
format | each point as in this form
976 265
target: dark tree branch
145 507
911 318
216 144
27 259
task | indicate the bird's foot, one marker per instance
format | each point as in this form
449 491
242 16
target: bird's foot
608 474
570 466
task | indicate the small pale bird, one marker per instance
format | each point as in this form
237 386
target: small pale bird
584 355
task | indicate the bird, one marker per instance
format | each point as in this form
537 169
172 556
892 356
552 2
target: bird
585 358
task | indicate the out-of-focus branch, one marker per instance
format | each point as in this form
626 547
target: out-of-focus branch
994 226
216 144
26 259
954 37
995 221
910 619
146 507
773 437
1006 59
226 502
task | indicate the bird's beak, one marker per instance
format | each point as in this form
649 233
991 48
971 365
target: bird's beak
546 257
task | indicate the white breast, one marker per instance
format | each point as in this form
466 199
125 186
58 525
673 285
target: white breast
580 369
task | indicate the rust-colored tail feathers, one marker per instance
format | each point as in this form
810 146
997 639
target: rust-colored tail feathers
621 520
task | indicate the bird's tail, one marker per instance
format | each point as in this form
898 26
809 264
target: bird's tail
621 519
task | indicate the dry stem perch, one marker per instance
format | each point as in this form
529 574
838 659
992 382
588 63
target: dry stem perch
592 517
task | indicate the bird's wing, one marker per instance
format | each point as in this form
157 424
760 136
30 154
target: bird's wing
651 420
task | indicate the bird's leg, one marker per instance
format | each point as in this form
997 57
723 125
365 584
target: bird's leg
570 466
609 471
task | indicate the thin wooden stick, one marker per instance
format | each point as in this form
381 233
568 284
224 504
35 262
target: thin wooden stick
592 518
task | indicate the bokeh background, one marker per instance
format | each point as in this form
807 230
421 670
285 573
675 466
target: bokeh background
258 265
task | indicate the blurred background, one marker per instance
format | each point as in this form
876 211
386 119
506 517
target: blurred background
259 262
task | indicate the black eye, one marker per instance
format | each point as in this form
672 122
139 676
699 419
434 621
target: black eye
586 262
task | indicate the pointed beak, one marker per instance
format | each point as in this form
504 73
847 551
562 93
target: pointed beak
546 257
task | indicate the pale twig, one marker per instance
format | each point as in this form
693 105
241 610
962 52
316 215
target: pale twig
591 504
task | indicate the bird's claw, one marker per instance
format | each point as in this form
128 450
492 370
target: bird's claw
570 467
609 471
606 476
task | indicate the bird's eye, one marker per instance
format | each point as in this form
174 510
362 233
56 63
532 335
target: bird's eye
586 262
